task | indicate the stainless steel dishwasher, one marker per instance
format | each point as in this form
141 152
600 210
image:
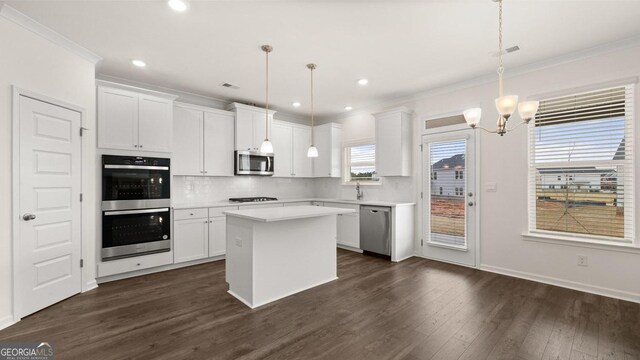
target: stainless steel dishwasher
375 229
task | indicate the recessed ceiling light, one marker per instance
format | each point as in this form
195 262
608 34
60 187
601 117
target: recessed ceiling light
295 104
177 5
348 108
138 63
363 82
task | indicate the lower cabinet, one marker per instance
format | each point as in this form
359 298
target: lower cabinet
348 225
349 230
217 235
191 240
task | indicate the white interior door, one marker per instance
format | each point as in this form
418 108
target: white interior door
48 249
449 196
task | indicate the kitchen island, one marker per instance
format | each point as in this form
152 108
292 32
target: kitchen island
276 252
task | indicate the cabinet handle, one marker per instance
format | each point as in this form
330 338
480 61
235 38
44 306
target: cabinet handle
210 221
141 146
205 172
191 214
135 145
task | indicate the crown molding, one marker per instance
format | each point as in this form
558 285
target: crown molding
35 27
127 87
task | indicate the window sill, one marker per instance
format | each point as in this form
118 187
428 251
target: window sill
578 242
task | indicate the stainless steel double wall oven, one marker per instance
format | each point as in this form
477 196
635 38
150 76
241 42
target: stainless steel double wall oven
136 200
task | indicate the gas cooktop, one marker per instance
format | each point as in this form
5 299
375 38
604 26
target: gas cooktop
253 199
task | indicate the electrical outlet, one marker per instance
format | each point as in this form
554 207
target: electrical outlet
583 260
238 242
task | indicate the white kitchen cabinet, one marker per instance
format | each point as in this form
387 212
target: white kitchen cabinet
348 225
117 119
188 141
155 123
290 145
393 142
134 119
191 239
217 235
302 164
250 126
282 140
203 141
218 143
328 139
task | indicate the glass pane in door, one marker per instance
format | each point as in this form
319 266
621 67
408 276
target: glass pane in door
447 193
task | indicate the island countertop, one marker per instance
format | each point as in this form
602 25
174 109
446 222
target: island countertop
286 213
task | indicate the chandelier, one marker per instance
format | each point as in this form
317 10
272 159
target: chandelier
505 104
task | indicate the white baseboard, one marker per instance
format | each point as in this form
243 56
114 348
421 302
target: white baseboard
6 321
598 290
90 285
345 247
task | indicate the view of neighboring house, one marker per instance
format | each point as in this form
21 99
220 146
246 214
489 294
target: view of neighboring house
448 176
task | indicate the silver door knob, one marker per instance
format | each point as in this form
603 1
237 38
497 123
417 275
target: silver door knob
470 203
28 217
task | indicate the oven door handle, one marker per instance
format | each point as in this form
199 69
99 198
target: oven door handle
140 167
128 212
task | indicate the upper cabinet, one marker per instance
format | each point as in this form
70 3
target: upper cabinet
393 142
250 125
202 141
328 139
290 145
134 120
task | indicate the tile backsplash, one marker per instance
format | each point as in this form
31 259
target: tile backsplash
205 189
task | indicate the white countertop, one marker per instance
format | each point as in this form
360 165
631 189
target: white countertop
286 213
207 204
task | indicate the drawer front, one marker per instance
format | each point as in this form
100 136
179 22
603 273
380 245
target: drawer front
343 206
260 206
298 203
218 211
121 266
185 214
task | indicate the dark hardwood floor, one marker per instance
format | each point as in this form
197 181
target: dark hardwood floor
417 309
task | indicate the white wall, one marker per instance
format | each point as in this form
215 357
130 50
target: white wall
503 160
33 63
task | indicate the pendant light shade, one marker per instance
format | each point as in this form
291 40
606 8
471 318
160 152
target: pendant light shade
267 146
472 116
313 151
506 105
528 110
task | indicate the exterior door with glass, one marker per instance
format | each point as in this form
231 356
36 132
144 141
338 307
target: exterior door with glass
449 197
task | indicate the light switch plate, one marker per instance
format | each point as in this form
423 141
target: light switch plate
491 187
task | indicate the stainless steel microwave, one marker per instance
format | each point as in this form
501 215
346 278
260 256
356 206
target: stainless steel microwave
253 163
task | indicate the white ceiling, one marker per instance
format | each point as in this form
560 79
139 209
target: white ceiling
402 47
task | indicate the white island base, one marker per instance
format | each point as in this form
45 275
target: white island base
276 252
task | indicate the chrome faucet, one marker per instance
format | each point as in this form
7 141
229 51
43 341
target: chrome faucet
359 194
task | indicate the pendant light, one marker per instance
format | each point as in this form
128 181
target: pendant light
267 146
313 151
505 104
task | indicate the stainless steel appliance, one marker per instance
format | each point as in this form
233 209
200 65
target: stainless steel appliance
253 163
253 199
375 229
127 233
133 182
136 196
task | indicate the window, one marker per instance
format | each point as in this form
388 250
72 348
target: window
461 175
360 163
585 142
435 175
440 190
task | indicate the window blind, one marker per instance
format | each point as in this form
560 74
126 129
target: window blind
362 162
581 165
